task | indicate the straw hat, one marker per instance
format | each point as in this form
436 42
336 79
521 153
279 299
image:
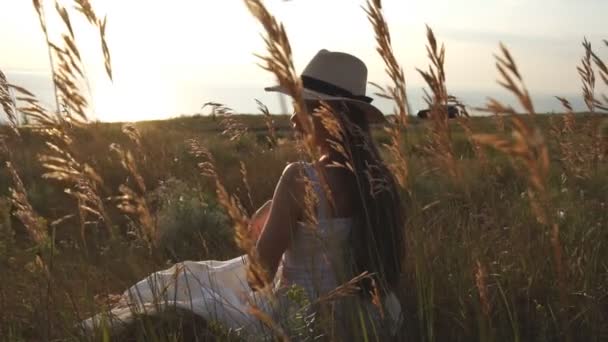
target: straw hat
337 76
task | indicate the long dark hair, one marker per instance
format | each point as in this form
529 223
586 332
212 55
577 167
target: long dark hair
378 238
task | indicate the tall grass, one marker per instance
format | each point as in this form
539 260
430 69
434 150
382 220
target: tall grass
503 243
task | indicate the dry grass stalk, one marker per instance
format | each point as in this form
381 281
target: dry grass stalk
397 91
256 274
465 122
279 333
133 202
398 165
527 145
42 20
599 138
243 169
68 71
377 298
311 201
8 104
60 163
529 150
328 117
440 146
66 63
34 112
569 122
512 80
133 134
587 74
128 163
348 289
575 155
279 61
270 125
603 71
35 225
84 7
588 77
481 276
82 179
233 128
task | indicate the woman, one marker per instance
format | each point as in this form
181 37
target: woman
327 222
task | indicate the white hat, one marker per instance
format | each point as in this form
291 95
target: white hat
337 76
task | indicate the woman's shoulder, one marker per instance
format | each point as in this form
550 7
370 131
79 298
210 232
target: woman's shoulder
295 174
296 169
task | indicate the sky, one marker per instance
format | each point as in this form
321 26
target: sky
170 57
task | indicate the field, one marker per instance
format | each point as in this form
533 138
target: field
479 264
506 215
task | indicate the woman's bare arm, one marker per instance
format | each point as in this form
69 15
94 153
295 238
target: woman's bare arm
258 220
285 212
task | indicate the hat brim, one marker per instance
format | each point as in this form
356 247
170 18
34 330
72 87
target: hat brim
373 114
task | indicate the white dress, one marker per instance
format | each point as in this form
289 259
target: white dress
218 290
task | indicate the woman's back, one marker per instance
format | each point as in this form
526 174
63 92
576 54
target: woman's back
316 257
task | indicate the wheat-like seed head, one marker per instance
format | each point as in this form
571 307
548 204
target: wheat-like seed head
603 71
588 77
568 136
528 143
598 142
270 124
397 91
243 169
569 118
348 289
43 120
8 104
83 181
311 201
440 140
136 206
279 61
132 133
133 202
398 166
128 163
68 70
66 63
59 163
85 7
232 128
482 288
376 184
33 223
